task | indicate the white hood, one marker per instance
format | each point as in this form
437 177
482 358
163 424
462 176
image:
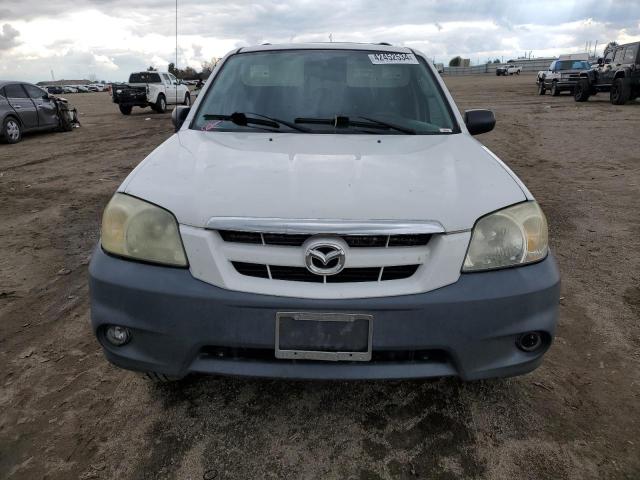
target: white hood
451 179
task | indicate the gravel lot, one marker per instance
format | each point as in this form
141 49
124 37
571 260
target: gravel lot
66 413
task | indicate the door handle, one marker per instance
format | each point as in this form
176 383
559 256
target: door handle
18 106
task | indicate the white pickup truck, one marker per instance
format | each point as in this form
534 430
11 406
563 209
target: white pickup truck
508 70
150 89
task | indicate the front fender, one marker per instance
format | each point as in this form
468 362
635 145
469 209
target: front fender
623 73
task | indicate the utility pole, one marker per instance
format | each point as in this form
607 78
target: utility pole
331 37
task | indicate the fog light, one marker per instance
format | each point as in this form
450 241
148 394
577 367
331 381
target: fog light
117 335
529 342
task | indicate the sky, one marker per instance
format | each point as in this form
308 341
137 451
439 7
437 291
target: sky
108 39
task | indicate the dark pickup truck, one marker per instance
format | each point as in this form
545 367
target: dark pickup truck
617 73
562 75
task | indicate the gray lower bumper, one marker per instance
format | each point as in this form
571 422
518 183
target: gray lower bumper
174 318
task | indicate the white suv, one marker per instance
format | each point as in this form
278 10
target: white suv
323 211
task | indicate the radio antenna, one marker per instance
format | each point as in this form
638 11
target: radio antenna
176 67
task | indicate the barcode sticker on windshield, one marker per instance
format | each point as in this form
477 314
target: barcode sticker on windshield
392 58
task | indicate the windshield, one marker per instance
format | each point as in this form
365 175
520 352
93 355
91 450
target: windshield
297 86
144 77
573 65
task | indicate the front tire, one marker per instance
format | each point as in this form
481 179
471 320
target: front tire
581 90
620 92
554 89
125 109
11 130
161 104
541 89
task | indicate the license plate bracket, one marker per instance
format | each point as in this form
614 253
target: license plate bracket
323 336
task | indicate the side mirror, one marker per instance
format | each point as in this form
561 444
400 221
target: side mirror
600 61
179 115
479 121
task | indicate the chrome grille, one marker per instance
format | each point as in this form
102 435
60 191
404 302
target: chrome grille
370 253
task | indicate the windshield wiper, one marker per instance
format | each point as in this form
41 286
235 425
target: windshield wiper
241 119
342 122
393 126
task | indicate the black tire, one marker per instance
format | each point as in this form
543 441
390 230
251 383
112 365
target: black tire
187 100
517 72
620 91
160 377
582 90
11 130
497 73
541 89
554 89
161 104
125 109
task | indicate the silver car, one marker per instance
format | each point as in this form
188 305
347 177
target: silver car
25 108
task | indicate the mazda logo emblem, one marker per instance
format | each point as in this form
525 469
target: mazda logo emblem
324 257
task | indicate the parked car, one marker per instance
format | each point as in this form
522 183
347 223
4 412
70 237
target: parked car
150 89
97 87
617 73
324 213
562 74
55 90
69 89
508 70
81 88
27 108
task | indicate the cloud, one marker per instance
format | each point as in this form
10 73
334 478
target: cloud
8 37
114 37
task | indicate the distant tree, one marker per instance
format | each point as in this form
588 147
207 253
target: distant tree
455 62
497 60
151 69
207 67
188 73
172 68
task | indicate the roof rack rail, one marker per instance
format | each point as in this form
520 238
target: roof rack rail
384 43
266 43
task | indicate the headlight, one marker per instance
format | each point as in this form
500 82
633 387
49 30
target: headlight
137 229
514 236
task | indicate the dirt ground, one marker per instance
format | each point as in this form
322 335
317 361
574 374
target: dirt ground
65 413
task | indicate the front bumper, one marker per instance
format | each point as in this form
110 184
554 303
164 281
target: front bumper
177 321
